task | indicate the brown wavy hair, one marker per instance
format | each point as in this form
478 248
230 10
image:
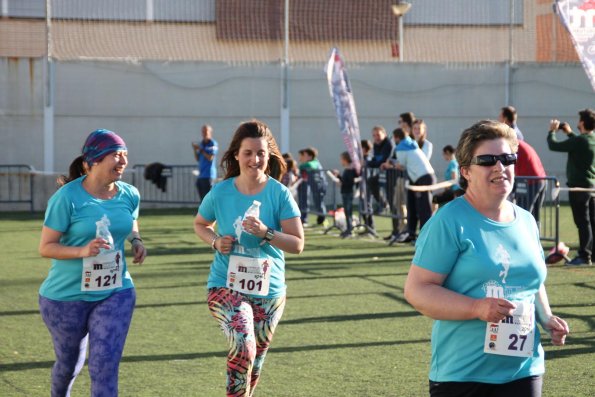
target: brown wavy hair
276 166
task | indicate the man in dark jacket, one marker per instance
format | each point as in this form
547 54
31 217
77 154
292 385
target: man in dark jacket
381 151
580 173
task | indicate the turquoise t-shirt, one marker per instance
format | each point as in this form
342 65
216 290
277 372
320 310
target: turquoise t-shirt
73 212
226 205
481 256
452 166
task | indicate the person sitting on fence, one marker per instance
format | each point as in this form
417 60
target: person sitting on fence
314 182
347 180
451 173
529 194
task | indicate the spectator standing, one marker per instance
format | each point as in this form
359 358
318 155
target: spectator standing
395 190
381 151
347 179
88 296
246 283
205 152
366 206
479 272
292 174
508 116
420 134
420 173
529 194
580 173
314 182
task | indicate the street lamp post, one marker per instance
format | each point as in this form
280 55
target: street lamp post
399 10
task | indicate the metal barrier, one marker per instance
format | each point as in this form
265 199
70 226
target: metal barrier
16 184
538 196
317 196
168 184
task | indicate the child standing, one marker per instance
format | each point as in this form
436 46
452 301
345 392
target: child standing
347 179
314 181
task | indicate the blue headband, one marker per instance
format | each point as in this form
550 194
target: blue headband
100 143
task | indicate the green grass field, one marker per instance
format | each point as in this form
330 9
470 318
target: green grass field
346 331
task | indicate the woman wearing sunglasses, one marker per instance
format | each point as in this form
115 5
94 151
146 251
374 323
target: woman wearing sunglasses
479 272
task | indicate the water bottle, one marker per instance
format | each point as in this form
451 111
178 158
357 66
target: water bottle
102 231
253 210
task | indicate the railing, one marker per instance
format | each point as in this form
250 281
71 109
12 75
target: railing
167 184
16 184
538 195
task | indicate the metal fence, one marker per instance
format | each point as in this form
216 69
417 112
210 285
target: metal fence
16 184
166 184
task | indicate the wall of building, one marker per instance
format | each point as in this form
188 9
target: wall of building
158 107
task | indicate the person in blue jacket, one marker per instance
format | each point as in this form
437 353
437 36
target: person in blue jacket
205 153
479 272
88 296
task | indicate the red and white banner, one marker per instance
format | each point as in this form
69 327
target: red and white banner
340 91
578 16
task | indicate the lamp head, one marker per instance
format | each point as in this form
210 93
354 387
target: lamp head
401 8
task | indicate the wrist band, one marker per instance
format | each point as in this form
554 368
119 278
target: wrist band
213 242
135 238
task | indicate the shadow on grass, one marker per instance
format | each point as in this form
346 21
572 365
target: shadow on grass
197 356
351 317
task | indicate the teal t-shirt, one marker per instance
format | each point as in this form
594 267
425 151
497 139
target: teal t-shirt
452 166
480 256
226 205
73 212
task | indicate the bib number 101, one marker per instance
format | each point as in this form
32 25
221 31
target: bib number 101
250 285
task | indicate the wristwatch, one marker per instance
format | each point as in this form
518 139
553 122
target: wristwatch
269 234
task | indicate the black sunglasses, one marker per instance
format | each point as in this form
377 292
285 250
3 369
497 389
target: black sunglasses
488 160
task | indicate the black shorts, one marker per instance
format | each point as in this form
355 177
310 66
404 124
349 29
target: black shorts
525 387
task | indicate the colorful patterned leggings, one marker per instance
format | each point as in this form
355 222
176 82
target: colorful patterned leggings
248 324
103 325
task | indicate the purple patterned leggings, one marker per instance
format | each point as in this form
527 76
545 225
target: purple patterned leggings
103 325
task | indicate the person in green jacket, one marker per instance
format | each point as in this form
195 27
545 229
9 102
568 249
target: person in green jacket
580 173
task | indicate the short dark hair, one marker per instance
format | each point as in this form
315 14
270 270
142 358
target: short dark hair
399 133
408 117
448 149
587 116
310 151
345 156
509 113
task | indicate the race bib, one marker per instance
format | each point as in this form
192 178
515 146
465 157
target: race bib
513 336
249 275
102 272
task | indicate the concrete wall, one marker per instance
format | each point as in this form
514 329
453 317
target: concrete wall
158 108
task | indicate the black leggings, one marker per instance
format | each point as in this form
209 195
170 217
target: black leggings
525 387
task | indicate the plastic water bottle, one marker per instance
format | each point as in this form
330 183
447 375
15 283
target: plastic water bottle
102 231
253 210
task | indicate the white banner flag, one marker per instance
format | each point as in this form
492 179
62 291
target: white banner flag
578 16
340 91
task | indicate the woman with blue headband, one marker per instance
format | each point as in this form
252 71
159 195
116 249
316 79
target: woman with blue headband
88 296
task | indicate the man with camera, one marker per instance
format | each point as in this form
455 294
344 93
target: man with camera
580 175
